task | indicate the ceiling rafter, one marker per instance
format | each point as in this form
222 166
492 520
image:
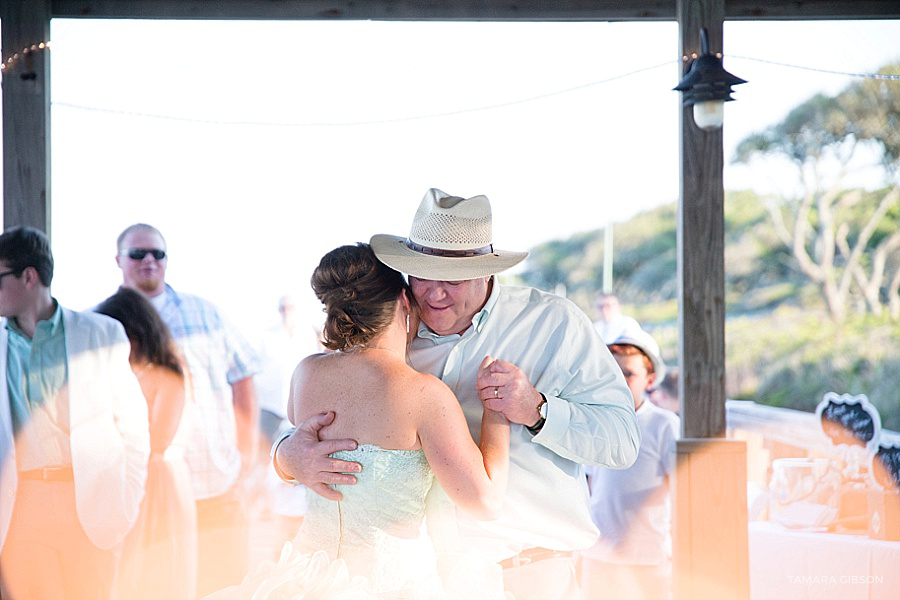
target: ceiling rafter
462 10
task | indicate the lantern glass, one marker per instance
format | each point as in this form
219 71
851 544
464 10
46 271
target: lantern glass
709 115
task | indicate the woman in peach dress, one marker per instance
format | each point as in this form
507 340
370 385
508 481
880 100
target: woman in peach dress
160 553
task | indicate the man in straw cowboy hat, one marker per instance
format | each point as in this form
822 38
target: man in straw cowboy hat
552 376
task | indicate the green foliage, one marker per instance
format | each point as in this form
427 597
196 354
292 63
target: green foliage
865 111
805 134
782 347
645 260
553 262
835 234
793 356
870 110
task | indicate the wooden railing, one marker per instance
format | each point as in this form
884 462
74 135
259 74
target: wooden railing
786 426
772 433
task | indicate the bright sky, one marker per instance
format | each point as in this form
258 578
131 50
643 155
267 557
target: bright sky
284 140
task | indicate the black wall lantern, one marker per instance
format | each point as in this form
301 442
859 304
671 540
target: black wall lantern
707 86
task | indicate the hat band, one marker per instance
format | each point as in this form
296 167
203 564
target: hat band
448 253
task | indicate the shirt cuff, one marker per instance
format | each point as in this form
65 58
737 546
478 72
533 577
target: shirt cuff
284 435
557 421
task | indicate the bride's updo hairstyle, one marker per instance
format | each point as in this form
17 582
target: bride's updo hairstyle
359 293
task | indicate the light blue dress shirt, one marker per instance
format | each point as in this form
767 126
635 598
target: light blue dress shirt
36 376
590 418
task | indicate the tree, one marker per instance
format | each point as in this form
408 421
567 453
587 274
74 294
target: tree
846 241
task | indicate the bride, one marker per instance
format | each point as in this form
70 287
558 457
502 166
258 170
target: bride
411 431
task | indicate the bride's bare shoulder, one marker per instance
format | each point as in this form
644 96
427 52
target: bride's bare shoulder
425 386
309 366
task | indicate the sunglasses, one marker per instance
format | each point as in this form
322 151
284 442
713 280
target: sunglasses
140 253
5 273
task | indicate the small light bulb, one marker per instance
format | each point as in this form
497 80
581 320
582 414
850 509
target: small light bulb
709 115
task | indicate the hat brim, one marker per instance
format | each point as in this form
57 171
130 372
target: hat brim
392 251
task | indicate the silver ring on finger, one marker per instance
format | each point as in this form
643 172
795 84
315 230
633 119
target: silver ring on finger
496 392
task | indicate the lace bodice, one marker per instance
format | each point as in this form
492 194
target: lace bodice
378 527
374 544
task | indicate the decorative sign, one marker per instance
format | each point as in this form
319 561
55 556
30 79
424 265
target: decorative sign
885 468
850 421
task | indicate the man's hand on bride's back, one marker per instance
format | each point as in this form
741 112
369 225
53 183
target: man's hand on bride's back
306 458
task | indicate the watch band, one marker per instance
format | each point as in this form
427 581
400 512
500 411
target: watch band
542 410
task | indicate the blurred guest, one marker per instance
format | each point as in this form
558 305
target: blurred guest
611 323
160 554
73 435
281 349
224 436
665 395
632 559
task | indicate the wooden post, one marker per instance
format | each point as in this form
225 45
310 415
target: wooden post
709 530
710 557
26 114
701 249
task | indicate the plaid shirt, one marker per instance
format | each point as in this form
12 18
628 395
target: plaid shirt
217 356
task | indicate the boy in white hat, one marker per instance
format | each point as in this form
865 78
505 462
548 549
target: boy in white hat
547 370
631 506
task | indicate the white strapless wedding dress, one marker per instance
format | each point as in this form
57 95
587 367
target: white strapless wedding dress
374 543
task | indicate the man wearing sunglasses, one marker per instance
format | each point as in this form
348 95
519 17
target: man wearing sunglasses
74 442
221 435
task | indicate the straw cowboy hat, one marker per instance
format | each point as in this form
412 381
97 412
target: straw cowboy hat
450 240
644 342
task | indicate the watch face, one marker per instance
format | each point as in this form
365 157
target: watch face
543 410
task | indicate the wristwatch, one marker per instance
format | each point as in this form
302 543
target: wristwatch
281 475
542 411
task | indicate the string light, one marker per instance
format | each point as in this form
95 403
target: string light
10 62
372 122
881 76
693 56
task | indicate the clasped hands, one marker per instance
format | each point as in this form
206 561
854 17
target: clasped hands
503 387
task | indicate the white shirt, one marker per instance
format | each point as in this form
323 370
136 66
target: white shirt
590 417
610 331
631 506
279 353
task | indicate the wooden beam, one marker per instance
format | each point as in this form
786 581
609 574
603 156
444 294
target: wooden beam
26 113
463 10
413 10
809 10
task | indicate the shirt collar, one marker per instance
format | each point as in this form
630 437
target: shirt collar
479 320
161 300
481 317
51 325
644 405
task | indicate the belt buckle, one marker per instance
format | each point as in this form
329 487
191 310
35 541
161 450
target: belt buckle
527 556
